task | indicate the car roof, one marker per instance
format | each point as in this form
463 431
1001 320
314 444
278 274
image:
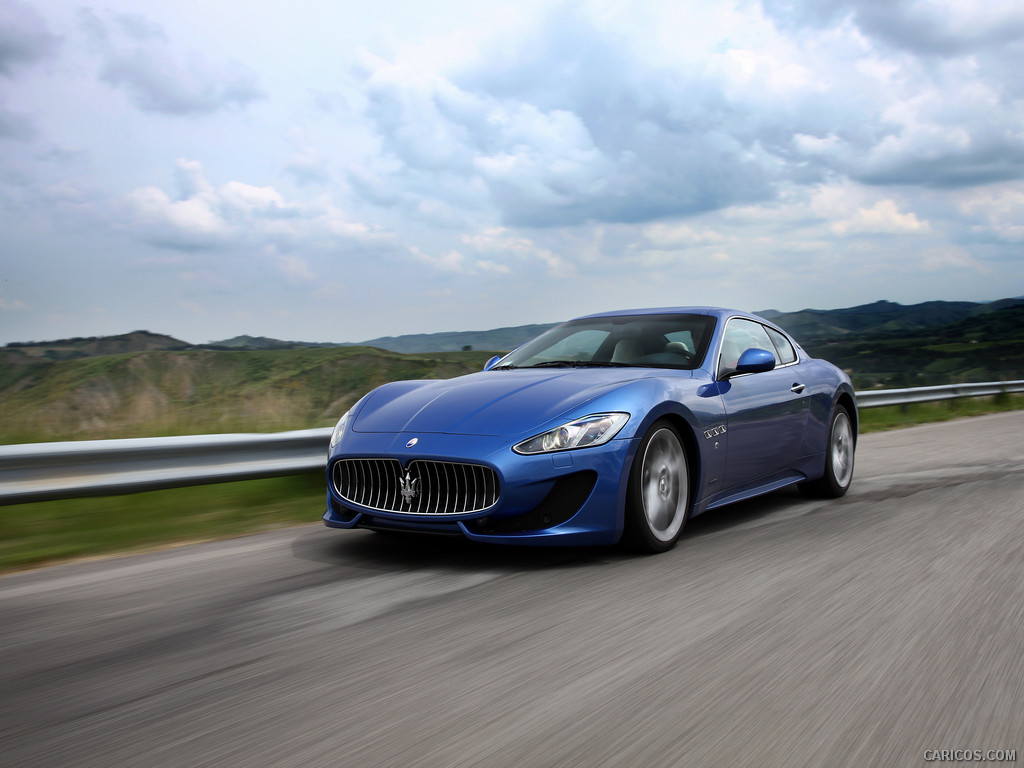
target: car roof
719 312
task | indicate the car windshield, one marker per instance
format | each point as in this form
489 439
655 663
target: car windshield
646 341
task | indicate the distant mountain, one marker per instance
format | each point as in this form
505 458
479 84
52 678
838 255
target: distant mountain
151 384
812 325
77 347
992 306
498 339
809 326
262 342
200 391
985 346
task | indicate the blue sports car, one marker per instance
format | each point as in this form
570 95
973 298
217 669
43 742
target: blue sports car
617 426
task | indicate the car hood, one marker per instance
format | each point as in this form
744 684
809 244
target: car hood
488 403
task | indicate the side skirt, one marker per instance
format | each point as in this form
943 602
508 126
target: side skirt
749 492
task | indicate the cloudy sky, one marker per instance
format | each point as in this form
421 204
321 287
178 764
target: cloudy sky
332 171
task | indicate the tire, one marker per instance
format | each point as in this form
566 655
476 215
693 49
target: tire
839 454
658 497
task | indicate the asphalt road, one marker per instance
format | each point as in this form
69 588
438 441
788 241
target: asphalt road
780 632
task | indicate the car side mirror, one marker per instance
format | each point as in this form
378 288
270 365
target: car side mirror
492 362
755 361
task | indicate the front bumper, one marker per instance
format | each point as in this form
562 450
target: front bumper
568 498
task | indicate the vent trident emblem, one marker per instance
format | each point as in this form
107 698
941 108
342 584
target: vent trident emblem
410 487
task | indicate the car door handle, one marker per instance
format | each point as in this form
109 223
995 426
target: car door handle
796 389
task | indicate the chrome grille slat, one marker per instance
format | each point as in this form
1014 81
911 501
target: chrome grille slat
373 484
444 487
447 485
389 478
424 494
441 473
465 483
432 494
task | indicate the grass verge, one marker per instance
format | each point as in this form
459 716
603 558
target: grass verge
53 531
896 416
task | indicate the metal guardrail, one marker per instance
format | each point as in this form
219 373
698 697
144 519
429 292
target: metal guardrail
875 398
45 471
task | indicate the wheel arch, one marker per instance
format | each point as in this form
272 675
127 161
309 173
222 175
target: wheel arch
687 426
849 402
642 529
688 433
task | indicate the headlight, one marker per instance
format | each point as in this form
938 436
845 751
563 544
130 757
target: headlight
339 430
582 433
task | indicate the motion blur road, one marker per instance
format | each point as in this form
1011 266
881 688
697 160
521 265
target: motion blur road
780 632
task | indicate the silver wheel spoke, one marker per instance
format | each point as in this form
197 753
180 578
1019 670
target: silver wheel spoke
842 449
664 489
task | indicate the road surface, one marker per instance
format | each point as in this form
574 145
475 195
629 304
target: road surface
779 632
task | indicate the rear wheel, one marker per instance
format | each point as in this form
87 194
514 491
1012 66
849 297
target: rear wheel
838 459
658 499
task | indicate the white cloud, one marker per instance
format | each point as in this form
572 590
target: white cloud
208 216
295 269
936 28
507 251
12 305
884 217
948 258
998 210
308 166
680 235
606 138
189 223
25 37
507 162
572 125
752 69
449 261
136 55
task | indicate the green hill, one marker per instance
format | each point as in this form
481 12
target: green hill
199 391
814 325
144 384
79 347
986 346
497 338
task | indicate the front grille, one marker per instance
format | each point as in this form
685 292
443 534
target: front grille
425 488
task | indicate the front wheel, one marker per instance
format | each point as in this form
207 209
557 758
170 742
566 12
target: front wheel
838 459
658 498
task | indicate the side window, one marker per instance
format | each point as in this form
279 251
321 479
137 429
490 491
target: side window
741 335
785 352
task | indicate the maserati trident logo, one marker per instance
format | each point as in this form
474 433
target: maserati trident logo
410 488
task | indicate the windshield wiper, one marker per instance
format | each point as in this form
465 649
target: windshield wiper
505 367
